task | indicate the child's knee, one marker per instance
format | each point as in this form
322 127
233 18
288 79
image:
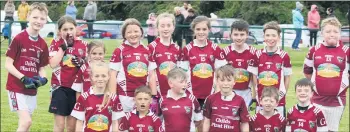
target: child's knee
25 122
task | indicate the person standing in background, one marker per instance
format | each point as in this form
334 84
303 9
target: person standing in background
152 31
179 19
330 12
298 22
313 20
71 10
215 30
184 9
22 11
188 33
90 16
9 10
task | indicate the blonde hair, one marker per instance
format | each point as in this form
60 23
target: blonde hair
143 89
200 19
130 21
270 92
95 44
176 8
38 6
165 15
225 71
330 21
177 73
101 65
272 25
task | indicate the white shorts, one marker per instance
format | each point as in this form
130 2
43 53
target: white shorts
281 110
18 101
127 102
245 94
333 115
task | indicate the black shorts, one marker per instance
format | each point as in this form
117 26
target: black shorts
201 102
62 101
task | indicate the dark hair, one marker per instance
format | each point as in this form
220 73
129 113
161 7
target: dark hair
225 71
240 25
304 82
130 21
190 10
270 92
64 19
200 19
330 9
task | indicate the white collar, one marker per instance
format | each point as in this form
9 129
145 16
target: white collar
169 94
324 44
246 47
279 51
150 113
196 44
128 43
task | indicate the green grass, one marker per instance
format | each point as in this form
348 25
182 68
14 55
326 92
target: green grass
43 120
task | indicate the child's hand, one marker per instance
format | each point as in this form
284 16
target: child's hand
39 81
252 105
70 40
77 61
28 82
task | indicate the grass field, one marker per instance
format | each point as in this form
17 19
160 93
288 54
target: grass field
43 120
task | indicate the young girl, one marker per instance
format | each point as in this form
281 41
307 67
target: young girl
130 61
96 52
67 54
97 109
164 52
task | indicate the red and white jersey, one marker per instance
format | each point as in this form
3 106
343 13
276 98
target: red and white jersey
330 73
82 82
132 65
225 116
179 115
133 123
29 56
65 73
310 120
259 123
200 62
166 58
270 71
87 109
240 63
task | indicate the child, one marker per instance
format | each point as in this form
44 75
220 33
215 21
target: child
225 111
67 55
94 111
26 59
239 54
142 119
96 52
200 57
272 66
180 109
268 119
130 65
304 116
327 65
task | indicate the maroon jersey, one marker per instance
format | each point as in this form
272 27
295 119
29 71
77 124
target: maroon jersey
133 123
166 58
240 62
179 115
29 56
270 71
132 65
87 110
330 73
200 62
309 120
83 83
65 73
258 123
225 116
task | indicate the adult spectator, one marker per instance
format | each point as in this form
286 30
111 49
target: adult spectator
298 22
188 33
215 30
179 19
71 10
90 16
22 12
184 9
151 32
313 20
9 10
330 12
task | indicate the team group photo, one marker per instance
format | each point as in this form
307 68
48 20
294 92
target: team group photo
175 66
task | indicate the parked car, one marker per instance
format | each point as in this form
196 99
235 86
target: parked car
258 33
80 26
345 35
107 29
49 29
289 36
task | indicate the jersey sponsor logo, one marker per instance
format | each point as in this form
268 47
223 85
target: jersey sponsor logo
202 70
176 106
328 70
318 57
193 57
165 67
268 78
98 122
241 75
187 109
137 69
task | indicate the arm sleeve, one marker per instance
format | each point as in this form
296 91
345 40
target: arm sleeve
13 49
78 82
44 57
253 67
309 62
207 108
53 49
219 57
117 109
115 61
124 123
287 65
184 59
243 113
151 58
79 109
197 110
158 126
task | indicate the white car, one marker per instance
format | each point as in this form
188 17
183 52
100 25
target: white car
49 29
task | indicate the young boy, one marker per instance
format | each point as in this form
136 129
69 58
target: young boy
142 119
180 109
304 116
239 54
26 59
272 66
268 119
225 111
